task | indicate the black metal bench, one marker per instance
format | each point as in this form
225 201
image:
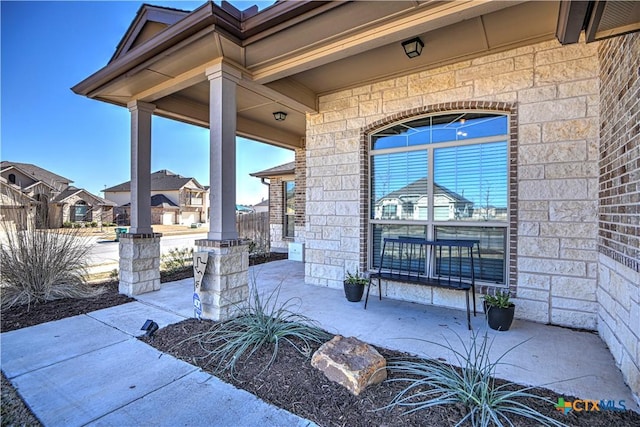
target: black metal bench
420 261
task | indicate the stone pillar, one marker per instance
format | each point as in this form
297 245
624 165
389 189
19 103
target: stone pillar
141 166
139 263
223 80
225 285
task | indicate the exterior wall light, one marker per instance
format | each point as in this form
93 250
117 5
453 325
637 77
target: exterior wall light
280 116
413 47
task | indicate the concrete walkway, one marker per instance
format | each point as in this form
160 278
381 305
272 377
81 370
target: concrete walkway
91 370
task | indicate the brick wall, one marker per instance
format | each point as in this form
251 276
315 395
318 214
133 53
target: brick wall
276 206
554 89
619 208
301 187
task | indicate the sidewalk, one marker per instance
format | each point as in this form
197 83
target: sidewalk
91 370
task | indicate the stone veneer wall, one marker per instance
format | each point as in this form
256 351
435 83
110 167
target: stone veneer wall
555 91
619 226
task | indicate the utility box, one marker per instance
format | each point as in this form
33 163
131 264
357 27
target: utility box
296 251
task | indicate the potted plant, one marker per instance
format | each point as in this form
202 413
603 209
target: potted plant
500 310
354 286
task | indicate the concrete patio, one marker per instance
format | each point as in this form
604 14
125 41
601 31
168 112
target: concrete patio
573 363
66 370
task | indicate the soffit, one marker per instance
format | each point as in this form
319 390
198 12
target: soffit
346 45
497 31
611 18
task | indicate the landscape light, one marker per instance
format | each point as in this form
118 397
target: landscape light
150 326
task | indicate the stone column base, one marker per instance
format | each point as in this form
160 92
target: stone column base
225 285
139 263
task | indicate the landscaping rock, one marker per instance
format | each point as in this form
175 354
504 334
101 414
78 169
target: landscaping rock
351 363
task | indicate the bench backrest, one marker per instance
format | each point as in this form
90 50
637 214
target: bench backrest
410 256
404 255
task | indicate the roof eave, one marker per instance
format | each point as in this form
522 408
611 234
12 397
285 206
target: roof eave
207 14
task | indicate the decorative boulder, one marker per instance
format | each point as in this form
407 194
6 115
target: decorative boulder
351 363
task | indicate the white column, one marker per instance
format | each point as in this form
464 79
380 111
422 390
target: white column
140 166
223 80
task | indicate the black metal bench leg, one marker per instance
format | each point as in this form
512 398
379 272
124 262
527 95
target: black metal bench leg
468 311
367 297
473 289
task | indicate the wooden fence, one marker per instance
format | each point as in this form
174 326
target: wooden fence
255 226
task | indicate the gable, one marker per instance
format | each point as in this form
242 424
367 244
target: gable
149 21
31 174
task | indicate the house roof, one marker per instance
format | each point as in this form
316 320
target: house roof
285 169
72 191
149 21
162 180
419 187
159 201
37 173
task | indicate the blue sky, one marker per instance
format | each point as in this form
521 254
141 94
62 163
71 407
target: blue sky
48 47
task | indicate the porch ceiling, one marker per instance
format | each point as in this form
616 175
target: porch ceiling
293 52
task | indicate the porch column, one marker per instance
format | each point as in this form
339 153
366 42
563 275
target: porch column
139 249
141 166
224 285
223 80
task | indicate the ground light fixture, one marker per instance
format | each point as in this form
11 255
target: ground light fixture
413 47
280 116
150 326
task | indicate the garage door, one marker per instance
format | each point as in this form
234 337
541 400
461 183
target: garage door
168 218
189 218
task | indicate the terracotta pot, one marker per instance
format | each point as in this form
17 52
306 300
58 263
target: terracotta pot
353 292
500 319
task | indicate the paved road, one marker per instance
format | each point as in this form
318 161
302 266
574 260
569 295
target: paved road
105 252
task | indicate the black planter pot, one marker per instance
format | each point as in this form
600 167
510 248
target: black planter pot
500 319
353 292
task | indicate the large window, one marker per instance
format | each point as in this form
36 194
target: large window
80 212
289 208
444 177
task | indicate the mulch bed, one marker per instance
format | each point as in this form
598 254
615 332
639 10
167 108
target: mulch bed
293 384
23 316
290 383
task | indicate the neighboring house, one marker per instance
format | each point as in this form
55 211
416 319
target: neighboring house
175 199
282 203
15 206
263 206
242 209
56 200
529 107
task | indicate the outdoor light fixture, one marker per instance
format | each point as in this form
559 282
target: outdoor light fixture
413 47
150 326
280 116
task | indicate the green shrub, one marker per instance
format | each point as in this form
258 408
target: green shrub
500 299
473 385
259 323
76 225
43 265
67 224
177 260
94 224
